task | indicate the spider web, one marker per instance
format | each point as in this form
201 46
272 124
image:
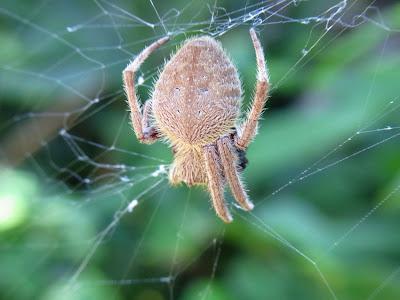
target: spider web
98 219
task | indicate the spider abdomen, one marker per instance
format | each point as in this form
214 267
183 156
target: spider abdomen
198 95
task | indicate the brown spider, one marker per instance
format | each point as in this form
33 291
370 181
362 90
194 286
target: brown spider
195 106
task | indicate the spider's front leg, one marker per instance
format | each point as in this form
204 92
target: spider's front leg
216 182
221 162
140 123
249 128
230 161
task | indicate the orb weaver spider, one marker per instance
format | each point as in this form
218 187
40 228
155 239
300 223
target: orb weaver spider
195 106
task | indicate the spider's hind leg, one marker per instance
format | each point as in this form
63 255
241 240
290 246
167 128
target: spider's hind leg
144 135
249 127
150 133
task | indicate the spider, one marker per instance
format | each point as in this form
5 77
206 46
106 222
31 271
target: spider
195 106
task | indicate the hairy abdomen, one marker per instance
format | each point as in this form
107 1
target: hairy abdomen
198 95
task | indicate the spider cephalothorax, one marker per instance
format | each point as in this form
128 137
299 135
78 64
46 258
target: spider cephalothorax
195 106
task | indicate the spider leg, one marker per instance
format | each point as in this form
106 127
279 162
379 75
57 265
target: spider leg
249 128
143 133
149 131
229 161
216 182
